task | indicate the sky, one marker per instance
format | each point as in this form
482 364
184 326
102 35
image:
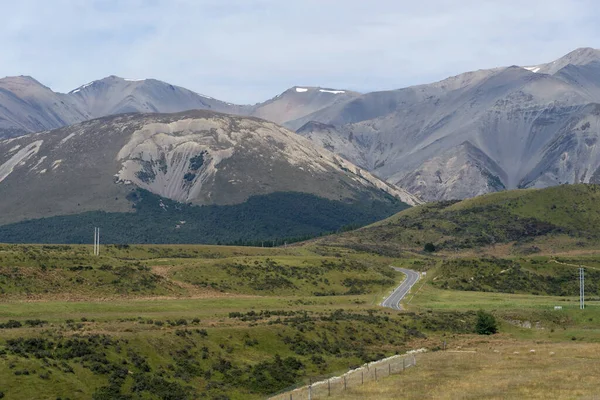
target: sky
247 51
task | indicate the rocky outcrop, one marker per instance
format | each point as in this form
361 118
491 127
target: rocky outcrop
196 157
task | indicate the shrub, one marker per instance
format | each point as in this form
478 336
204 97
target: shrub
486 323
429 247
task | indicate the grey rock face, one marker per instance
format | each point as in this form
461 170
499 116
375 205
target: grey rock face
477 132
332 139
197 157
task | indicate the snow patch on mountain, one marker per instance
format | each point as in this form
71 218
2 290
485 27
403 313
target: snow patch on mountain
533 69
80 88
332 91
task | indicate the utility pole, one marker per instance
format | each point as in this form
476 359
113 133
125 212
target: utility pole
581 288
96 241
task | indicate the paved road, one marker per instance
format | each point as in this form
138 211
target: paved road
393 301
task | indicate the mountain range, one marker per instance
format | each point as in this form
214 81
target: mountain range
474 133
478 132
28 106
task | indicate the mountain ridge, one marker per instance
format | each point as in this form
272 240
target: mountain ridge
509 116
199 157
480 131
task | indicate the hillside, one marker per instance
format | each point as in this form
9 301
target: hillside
298 102
195 158
267 220
478 132
564 216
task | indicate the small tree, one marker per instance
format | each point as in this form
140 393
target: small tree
486 323
429 247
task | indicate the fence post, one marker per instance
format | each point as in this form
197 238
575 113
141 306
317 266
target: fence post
362 377
375 373
328 387
291 398
414 360
344 382
403 363
310 392
389 369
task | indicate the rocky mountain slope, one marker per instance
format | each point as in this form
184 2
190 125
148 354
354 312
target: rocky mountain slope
298 102
478 132
196 157
28 106
474 133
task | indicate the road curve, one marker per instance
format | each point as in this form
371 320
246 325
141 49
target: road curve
393 300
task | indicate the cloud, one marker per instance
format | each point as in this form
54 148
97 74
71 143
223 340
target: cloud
246 51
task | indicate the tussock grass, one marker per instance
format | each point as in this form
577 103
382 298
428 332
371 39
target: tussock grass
494 372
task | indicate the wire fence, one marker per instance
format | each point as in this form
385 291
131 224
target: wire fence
335 385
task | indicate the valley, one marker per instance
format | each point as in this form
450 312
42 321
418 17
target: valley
299 200
157 321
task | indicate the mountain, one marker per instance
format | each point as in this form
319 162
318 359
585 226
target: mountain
28 106
555 219
194 158
114 95
474 133
335 140
478 132
298 102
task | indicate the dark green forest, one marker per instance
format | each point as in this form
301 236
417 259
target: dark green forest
262 220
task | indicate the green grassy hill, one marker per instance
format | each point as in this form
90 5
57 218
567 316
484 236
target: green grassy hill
527 219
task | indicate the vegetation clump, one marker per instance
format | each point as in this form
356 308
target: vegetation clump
429 247
486 323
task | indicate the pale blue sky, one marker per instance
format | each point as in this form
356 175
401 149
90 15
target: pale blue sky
245 51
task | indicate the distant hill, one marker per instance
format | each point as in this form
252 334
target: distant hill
27 106
193 158
565 215
297 102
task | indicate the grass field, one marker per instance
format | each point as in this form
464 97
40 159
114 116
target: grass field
174 321
497 369
216 322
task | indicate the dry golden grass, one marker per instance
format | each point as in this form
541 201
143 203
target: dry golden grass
496 371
